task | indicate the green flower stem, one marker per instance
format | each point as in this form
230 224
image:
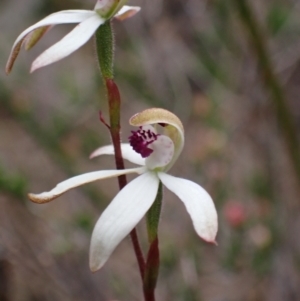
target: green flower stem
153 215
105 48
271 82
152 263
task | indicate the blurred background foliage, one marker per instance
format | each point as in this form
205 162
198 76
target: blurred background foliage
231 71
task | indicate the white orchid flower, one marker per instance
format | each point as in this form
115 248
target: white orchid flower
156 153
89 21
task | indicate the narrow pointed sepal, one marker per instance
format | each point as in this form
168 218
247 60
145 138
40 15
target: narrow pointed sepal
198 204
121 216
71 183
127 153
69 43
62 17
127 12
13 56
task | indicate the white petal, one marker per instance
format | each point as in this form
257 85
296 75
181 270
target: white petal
198 204
121 216
62 17
163 151
127 12
70 43
127 153
78 181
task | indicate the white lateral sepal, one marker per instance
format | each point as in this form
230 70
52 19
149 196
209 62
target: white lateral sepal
121 216
198 204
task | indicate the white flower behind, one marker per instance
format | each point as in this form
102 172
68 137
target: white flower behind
89 21
156 153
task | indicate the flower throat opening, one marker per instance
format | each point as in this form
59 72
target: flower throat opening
141 139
